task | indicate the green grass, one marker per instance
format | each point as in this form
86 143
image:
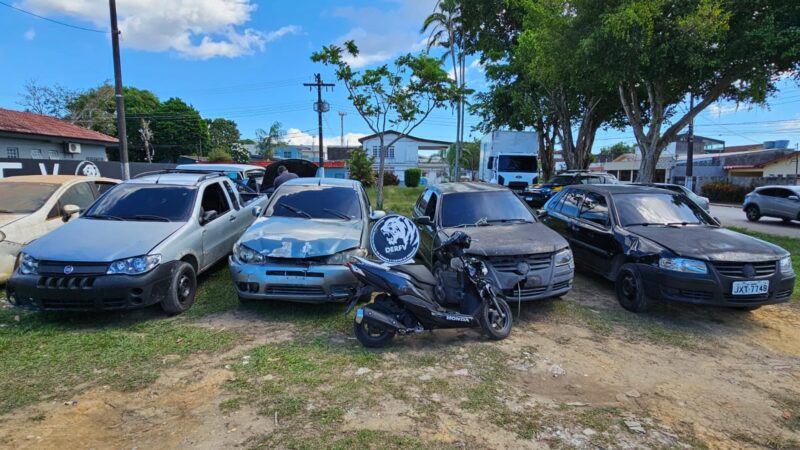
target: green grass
397 199
791 245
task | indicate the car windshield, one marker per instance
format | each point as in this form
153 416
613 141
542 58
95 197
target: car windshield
24 198
316 202
509 163
158 203
479 208
658 209
561 180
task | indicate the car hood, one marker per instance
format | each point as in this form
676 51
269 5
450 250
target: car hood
710 243
91 240
290 237
514 239
7 219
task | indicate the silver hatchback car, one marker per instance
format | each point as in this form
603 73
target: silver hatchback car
782 202
297 249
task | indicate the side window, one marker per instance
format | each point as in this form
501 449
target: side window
595 209
102 187
430 210
491 162
366 198
422 202
783 193
232 196
767 192
81 195
214 199
572 203
591 180
554 204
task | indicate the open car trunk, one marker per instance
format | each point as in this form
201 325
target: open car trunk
301 167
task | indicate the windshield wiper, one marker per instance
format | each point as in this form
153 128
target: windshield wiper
682 223
339 214
297 211
148 217
646 224
103 217
509 221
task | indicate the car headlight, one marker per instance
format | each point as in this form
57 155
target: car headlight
683 265
564 257
343 257
247 255
134 266
786 265
557 188
28 265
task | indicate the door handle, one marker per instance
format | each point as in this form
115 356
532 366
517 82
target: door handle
232 218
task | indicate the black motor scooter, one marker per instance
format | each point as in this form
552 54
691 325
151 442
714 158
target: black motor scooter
406 302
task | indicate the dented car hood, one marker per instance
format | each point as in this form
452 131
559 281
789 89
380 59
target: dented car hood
290 237
512 239
710 243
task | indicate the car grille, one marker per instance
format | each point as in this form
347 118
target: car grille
783 295
509 263
746 298
295 273
737 269
517 185
78 268
78 303
308 291
695 295
73 283
561 285
513 294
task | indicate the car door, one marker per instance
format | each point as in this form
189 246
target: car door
593 235
217 232
559 217
767 201
425 232
570 208
242 215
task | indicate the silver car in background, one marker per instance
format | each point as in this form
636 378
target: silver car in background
701 201
782 202
297 250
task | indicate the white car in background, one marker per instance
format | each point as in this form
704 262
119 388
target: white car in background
34 205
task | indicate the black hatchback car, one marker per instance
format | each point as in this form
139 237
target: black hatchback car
657 244
537 195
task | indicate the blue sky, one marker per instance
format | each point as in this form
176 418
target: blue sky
246 60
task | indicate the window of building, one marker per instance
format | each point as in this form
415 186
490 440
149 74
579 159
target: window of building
52 154
388 152
12 152
287 154
36 153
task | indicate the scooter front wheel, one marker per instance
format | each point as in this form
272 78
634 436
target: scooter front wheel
371 336
496 321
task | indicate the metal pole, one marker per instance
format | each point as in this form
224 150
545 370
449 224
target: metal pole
122 132
341 116
690 150
796 159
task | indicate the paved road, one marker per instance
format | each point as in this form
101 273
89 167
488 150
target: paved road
734 217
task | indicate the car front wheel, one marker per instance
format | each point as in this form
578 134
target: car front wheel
752 213
630 289
183 289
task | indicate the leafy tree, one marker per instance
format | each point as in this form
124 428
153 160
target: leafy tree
399 98
178 128
222 132
268 141
146 135
360 167
219 154
656 52
615 151
47 100
239 154
470 156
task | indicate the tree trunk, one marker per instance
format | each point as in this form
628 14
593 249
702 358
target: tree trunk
379 187
546 147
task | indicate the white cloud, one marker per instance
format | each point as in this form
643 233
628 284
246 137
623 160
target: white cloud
385 31
295 136
789 125
199 29
30 34
717 110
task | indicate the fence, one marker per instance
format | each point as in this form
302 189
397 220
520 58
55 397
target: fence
110 169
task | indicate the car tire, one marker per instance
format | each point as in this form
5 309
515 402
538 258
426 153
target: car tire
753 213
492 322
375 338
439 291
630 289
182 290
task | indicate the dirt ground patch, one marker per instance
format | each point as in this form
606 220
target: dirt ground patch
579 372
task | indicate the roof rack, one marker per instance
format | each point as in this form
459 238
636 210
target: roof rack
206 173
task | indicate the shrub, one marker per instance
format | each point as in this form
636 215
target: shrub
219 155
412 176
360 166
239 154
720 191
390 179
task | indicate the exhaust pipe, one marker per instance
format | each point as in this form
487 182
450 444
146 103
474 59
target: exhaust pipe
380 319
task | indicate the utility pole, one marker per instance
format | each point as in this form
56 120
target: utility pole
320 107
796 160
122 132
690 150
341 116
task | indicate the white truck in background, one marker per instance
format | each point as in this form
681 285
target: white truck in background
510 158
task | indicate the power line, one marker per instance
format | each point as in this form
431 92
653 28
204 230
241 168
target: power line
93 30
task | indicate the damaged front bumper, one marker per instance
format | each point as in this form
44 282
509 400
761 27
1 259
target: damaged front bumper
309 283
545 281
8 257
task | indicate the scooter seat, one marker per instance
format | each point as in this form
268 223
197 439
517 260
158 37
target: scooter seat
418 273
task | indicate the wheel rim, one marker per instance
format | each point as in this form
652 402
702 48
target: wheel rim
440 291
372 331
497 320
184 290
751 213
629 289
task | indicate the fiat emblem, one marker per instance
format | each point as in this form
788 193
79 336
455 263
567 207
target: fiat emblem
68 270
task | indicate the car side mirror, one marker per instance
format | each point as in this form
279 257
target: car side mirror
793 198
377 214
208 216
541 214
256 211
424 221
69 210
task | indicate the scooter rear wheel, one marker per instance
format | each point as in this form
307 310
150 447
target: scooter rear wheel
371 336
496 323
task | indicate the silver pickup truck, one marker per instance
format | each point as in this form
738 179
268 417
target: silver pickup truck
143 242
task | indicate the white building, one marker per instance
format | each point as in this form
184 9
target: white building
401 155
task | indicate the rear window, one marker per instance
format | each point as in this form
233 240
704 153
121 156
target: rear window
145 202
24 198
315 202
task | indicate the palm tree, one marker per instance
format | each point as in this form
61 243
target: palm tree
446 32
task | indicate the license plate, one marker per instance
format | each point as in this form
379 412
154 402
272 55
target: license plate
750 287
